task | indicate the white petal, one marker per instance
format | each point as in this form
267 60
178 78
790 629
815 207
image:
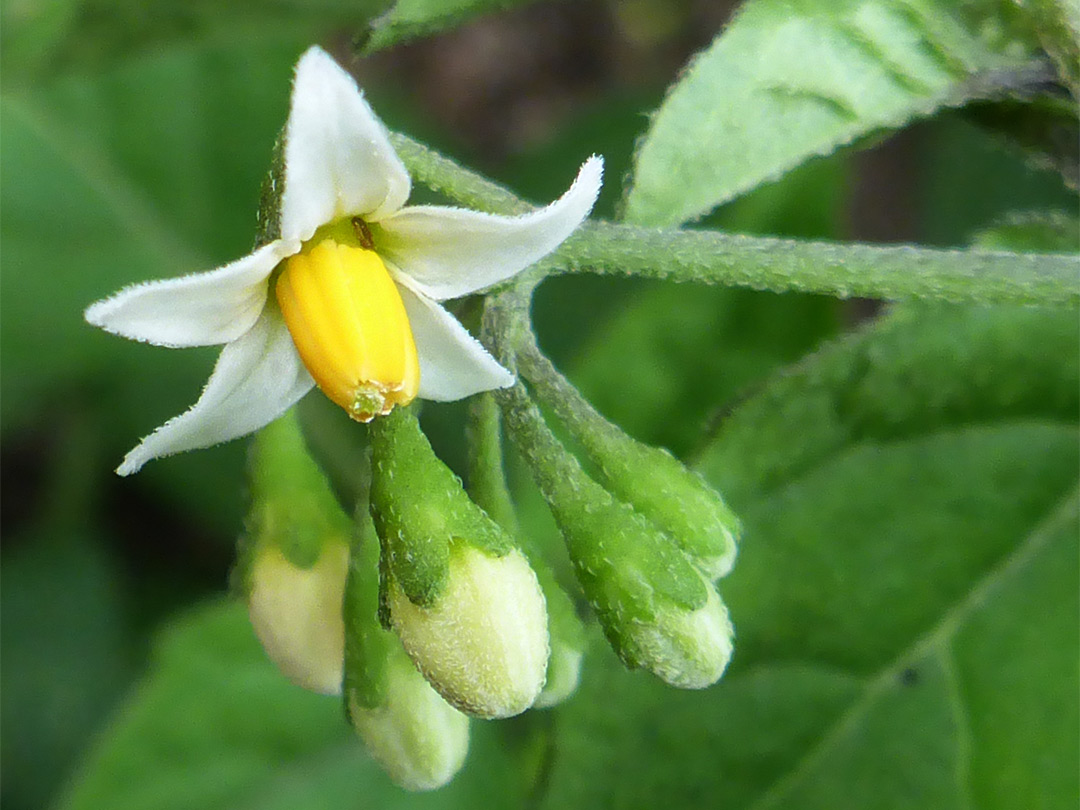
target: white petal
257 378
202 309
453 364
338 159
449 252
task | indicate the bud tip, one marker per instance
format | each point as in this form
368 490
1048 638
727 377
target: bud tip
483 645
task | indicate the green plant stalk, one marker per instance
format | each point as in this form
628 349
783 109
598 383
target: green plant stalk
441 174
368 645
891 272
487 478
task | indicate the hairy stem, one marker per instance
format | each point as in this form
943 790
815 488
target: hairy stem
841 269
891 272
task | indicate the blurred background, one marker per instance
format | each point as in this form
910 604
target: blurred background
135 137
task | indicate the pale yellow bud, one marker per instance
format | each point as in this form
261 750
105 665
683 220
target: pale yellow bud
417 737
296 613
689 649
483 644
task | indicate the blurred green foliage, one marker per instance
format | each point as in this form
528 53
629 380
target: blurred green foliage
906 598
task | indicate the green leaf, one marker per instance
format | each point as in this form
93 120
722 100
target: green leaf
967 180
67 36
214 725
981 710
905 600
67 654
409 19
790 80
1057 23
1044 130
920 368
1032 230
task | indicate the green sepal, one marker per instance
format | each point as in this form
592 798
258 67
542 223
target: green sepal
268 217
629 570
420 509
292 506
651 480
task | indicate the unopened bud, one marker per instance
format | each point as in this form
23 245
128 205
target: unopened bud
483 643
676 499
293 560
687 649
655 483
296 614
462 598
416 736
487 487
656 608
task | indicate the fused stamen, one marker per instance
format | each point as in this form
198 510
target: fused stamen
349 325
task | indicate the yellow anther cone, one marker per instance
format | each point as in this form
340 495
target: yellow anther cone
349 325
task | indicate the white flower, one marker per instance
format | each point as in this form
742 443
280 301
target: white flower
335 318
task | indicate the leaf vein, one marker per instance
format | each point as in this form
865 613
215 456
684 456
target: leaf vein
962 719
136 214
938 635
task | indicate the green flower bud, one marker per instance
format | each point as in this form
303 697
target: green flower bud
293 560
487 487
462 598
688 649
415 735
656 608
676 499
650 479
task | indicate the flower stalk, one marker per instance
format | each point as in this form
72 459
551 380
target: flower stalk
889 272
418 739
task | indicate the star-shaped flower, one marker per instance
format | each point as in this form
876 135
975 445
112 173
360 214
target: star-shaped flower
347 296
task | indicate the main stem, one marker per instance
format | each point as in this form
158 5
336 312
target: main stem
888 272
